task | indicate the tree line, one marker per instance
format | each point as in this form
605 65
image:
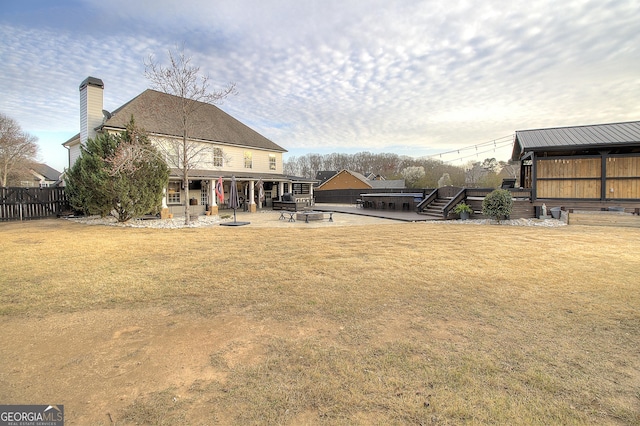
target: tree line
417 172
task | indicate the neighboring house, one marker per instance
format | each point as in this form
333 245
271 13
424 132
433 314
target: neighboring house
323 176
42 176
373 176
226 148
347 179
583 166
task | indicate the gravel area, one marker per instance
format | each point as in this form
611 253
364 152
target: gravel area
269 218
512 222
148 223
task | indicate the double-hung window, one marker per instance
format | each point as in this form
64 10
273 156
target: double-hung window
173 192
218 157
248 161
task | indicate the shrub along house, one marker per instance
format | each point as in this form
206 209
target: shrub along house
225 147
587 167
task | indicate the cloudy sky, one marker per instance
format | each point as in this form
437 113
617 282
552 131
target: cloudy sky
407 76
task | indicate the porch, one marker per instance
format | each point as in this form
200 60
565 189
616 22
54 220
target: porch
255 192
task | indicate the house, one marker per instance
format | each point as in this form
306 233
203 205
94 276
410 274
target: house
224 147
39 175
324 175
593 166
347 179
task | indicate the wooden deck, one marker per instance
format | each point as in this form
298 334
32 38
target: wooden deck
601 218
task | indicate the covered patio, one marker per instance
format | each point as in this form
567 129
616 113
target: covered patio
202 199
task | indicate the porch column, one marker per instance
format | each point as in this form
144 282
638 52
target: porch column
213 205
164 212
311 202
534 177
252 201
280 190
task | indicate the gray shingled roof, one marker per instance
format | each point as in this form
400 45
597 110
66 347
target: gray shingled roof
576 138
155 112
388 184
324 175
44 170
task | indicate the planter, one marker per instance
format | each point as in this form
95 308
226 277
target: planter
465 215
555 212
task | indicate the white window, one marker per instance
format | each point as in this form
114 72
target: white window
248 161
218 157
173 193
272 162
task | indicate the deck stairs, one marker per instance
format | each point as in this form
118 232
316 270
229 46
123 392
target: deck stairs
435 208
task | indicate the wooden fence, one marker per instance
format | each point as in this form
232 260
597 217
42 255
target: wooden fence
32 203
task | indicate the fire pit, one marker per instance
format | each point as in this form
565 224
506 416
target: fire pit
310 215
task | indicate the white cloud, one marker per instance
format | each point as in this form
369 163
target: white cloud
348 75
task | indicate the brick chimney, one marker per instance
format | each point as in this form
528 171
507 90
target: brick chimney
91 116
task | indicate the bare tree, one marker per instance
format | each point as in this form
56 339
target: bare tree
290 167
190 90
18 149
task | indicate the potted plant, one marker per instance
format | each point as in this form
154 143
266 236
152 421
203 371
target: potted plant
463 209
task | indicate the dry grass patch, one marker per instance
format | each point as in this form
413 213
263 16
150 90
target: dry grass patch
407 323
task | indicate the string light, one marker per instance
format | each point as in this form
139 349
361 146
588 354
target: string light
477 149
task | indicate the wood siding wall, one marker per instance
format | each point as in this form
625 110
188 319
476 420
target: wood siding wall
343 180
569 178
581 178
623 177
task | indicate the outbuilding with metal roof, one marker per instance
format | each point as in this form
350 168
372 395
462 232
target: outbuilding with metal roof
590 166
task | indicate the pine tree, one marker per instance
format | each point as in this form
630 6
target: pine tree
88 180
123 175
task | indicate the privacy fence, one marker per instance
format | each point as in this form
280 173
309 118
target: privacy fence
32 203
350 196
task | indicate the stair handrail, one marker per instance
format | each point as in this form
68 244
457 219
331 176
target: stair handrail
460 196
427 200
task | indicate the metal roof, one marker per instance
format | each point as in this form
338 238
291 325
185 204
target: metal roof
576 137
